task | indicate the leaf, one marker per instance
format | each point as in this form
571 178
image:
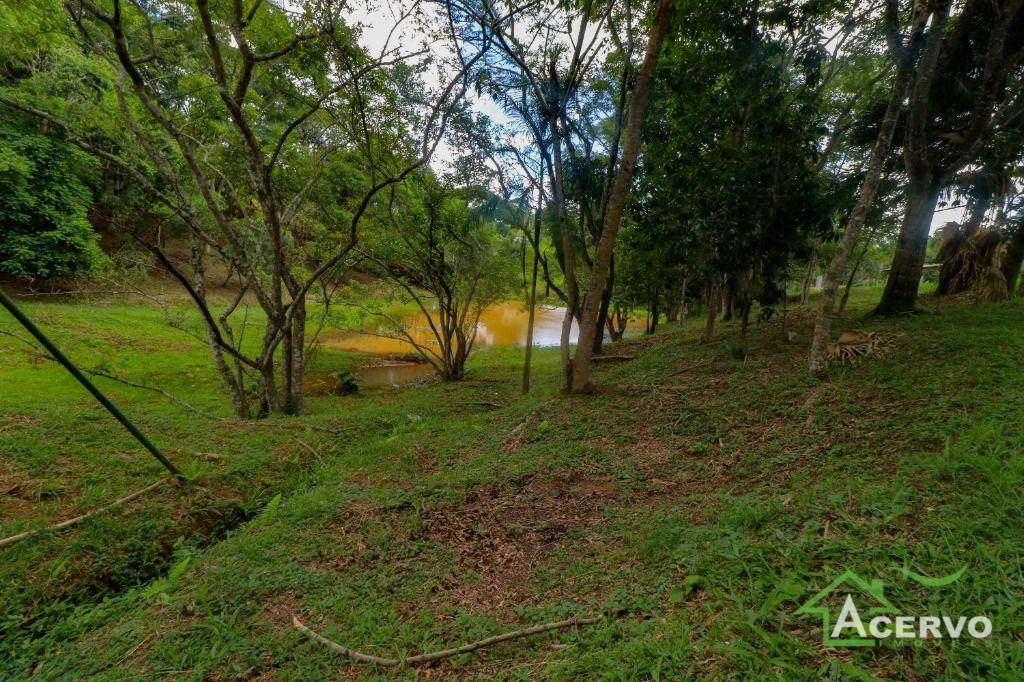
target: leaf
271 506
791 590
678 594
178 569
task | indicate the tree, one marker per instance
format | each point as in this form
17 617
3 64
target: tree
441 246
729 192
623 178
238 115
47 187
44 204
540 64
647 270
904 54
530 178
1011 214
978 61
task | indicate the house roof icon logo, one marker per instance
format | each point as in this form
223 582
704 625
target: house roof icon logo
850 583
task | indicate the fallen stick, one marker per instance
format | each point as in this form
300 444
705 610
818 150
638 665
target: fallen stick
70 522
41 353
444 653
613 358
297 425
309 447
155 389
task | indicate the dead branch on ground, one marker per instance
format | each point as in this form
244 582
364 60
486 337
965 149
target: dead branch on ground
95 512
444 653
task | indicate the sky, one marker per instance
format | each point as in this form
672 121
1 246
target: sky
377 21
944 215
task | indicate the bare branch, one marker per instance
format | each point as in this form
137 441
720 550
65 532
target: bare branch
444 653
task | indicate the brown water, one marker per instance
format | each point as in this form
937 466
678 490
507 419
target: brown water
502 324
393 374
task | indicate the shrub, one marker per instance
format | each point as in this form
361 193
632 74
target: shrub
44 203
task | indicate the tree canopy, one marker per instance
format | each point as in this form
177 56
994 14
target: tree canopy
637 156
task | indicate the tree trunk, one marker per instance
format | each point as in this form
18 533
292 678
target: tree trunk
522 264
655 311
744 324
602 316
533 288
298 356
284 400
582 366
568 256
682 300
979 208
291 361
1013 257
671 305
711 303
236 391
853 273
268 389
900 295
865 199
785 301
617 323
812 266
674 301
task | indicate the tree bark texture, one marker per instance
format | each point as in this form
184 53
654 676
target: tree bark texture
581 370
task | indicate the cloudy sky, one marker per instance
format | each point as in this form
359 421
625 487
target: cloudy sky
378 20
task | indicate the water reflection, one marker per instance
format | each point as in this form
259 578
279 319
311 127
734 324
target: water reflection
502 324
392 374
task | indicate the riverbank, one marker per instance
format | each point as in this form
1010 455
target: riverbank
695 500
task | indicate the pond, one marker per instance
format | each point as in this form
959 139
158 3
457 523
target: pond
502 324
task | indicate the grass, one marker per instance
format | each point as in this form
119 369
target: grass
697 500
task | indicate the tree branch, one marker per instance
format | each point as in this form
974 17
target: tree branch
444 653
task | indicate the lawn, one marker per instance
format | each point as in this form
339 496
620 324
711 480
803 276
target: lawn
695 502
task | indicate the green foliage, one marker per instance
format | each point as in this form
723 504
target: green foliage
698 504
44 205
49 187
445 247
344 382
728 180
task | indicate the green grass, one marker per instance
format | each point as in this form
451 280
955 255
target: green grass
695 499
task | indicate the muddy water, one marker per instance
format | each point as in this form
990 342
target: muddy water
392 374
502 324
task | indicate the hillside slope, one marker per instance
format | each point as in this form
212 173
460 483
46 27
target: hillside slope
696 501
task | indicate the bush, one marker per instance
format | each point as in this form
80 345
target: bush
44 204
